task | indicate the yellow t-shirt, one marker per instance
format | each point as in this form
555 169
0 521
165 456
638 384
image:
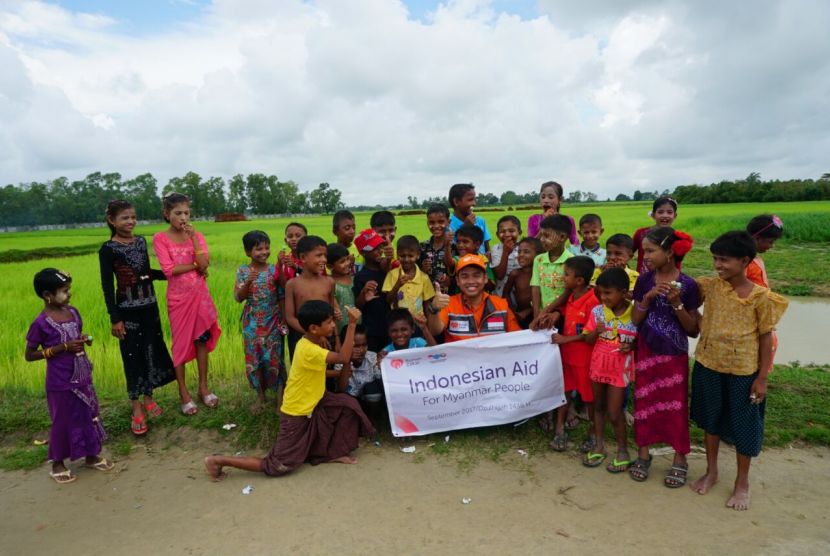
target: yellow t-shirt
632 277
412 294
307 381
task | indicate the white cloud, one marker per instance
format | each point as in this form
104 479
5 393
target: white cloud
609 99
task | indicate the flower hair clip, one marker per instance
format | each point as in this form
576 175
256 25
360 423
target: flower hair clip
683 244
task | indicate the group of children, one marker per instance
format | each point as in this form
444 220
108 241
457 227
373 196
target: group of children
342 306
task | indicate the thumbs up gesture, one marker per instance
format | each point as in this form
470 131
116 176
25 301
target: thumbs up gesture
354 314
440 300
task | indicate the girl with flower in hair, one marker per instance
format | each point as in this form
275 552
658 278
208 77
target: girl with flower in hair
665 312
765 229
664 212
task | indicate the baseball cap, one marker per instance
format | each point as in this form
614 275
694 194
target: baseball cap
367 240
470 260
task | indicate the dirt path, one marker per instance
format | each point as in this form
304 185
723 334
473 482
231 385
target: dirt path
394 503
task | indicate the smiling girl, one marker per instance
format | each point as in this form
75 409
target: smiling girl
550 197
664 212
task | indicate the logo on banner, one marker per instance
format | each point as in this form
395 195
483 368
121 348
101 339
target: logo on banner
396 363
437 357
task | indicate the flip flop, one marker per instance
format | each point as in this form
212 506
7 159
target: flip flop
101 465
63 477
640 466
560 442
188 406
589 462
546 424
210 398
572 423
674 475
153 410
614 466
588 445
142 426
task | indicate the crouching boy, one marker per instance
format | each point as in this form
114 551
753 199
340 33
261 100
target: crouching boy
316 426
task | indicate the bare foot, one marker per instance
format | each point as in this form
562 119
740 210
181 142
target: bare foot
348 460
256 408
740 499
214 469
702 485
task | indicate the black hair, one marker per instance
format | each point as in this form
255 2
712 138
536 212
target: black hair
381 218
340 216
663 200
557 223
171 200
590 219
582 266
621 240
309 243
314 312
738 244
458 191
472 232
254 238
298 225
664 237
334 252
764 226
535 243
510 218
358 329
115 207
409 243
615 278
395 315
438 209
556 187
49 280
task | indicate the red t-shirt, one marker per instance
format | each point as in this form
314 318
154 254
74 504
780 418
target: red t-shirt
577 312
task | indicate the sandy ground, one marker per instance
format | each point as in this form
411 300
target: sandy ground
162 502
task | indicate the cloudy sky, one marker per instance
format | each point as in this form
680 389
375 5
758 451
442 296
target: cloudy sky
389 98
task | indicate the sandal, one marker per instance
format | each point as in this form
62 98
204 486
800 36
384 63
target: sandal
139 427
153 410
546 423
640 468
618 466
588 445
678 475
63 477
101 465
588 460
210 398
560 442
572 423
186 407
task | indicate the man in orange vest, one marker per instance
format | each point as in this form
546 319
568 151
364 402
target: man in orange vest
471 313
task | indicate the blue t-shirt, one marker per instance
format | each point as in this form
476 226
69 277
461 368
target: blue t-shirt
413 343
455 223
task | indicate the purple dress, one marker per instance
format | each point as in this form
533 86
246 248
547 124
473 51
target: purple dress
76 427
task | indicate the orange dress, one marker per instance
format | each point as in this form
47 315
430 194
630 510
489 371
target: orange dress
757 274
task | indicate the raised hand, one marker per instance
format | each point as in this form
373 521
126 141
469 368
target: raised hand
673 295
426 266
369 291
188 229
509 245
470 220
403 279
420 319
252 276
354 314
388 251
441 299
450 234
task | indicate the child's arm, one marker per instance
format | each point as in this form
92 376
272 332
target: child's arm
687 319
536 299
72 346
501 267
345 373
344 356
366 294
244 289
441 300
559 339
166 263
508 286
449 262
759 385
290 311
421 321
338 313
200 250
392 295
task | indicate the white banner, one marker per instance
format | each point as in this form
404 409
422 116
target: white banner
479 382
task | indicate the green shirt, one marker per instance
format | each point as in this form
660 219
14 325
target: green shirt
549 277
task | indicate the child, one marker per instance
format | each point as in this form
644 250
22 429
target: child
612 333
311 284
503 256
766 229
401 326
590 230
468 242
432 260
663 211
76 428
732 360
550 197
547 281
263 325
134 312
619 250
316 426
666 302
339 262
363 381
344 230
407 287
383 222
183 256
517 290
576 354
290 265
365 289
462 198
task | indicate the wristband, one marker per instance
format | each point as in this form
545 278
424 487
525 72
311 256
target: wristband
678 308
640 308
432 309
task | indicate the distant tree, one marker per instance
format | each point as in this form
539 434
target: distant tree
622 197
413 202
589 197
575 196
325 199
510 198
237 199
638 196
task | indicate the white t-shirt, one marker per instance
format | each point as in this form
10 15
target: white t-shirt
496 254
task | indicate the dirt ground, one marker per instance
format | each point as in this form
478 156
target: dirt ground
161 502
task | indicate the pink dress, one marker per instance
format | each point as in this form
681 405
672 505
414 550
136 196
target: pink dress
189 305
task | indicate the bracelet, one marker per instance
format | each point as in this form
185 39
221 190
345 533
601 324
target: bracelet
46 352
195 264
199 252
65 347
678 308
640 308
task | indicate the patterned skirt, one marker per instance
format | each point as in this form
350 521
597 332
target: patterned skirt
661 399
147 363
76 426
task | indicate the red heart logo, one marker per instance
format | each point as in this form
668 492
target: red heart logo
396 363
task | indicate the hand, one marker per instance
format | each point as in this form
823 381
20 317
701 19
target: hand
324 343
600 327
88 339
673 296
118 330
509 244
444 283
420 320
559 339
470 220
550 212
403 279
369 291
759 390
354 314
450 234
252 276
440 300
661 288
338 315
381 355
188 229
281 257
389 251
426 266
625 347
75 346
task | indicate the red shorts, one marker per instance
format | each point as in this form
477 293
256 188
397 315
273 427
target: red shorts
577 377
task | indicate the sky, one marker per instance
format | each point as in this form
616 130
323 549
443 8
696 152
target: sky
386 99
